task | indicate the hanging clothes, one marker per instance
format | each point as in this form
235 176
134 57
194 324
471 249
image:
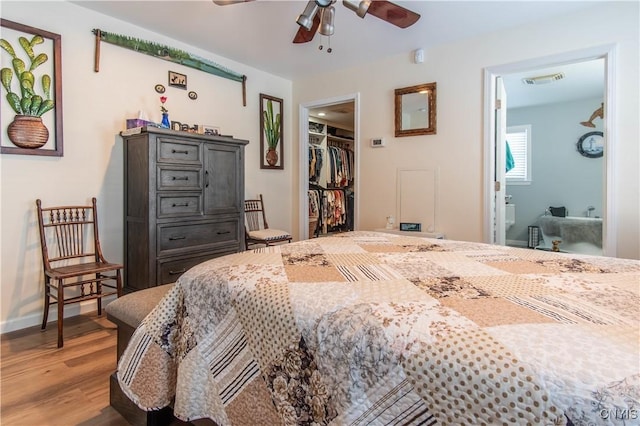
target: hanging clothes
316 155
332 207
341 166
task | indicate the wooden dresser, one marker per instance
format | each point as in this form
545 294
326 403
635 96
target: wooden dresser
183 203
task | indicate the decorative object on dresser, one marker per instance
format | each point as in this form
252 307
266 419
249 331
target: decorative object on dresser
183 203
72 259
165 113
271 127
36 90
257 229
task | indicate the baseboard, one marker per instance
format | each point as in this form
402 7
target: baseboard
32 320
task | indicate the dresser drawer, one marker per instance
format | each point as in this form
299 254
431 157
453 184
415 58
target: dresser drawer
172 204
183 237
176 151
176 178
168 271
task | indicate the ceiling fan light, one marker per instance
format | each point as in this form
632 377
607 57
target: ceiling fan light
326 21
305 19
359 7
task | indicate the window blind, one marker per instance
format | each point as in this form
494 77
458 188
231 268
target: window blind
519 139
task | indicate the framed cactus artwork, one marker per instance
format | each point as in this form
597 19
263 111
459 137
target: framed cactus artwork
271 126
31 101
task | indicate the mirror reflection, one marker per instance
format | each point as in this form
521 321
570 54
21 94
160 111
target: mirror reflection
415 111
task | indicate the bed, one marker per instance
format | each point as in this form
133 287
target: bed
372 328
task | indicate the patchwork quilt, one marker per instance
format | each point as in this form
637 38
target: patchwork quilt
367 328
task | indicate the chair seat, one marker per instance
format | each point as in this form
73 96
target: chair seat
269 235
82 268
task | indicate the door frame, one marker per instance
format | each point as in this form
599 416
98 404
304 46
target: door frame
608 54
303 173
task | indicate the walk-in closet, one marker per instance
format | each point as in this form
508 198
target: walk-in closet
331 170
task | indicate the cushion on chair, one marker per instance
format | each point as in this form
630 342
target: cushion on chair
132 308
269 235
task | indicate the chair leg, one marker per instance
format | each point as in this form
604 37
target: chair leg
99 291
118 283
45 312
60 312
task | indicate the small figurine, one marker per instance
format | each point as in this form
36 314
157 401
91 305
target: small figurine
390 222
599 113
555 245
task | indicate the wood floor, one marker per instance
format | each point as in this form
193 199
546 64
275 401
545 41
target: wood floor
43 385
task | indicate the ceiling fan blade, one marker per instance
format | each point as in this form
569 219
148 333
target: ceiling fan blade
393 13
304 36
228 2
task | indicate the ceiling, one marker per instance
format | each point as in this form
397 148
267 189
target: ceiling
581 80
259 33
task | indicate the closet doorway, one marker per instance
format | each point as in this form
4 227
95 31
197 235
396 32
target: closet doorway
329 166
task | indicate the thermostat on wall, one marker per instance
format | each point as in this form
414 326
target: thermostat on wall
377 142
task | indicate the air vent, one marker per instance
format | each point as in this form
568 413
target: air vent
543 79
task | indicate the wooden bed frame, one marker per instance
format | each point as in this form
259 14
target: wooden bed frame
127 312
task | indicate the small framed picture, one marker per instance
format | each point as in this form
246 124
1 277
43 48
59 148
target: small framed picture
177 80
408 226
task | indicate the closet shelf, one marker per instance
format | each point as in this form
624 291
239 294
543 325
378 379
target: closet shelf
338 138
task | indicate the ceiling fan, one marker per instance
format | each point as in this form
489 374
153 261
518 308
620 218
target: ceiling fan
318 15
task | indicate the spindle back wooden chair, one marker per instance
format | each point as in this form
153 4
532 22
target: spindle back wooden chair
72 259
257 230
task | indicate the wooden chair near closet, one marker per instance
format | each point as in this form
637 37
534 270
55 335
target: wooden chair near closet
257 230
72 260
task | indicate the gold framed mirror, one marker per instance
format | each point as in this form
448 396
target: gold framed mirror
415 108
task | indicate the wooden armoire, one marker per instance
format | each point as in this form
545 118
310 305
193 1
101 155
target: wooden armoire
183 203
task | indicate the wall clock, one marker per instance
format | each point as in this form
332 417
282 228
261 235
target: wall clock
591 144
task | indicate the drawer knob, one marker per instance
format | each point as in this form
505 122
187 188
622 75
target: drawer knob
180 271
180 178
180 205
180 237
179 151
223 232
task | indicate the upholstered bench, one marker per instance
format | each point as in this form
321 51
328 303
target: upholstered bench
127 312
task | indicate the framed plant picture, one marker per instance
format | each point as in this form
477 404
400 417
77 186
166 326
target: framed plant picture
31 73
271 126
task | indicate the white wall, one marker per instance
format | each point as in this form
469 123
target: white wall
457 149
560 175
95 106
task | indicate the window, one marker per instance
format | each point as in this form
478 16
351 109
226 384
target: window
519 140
